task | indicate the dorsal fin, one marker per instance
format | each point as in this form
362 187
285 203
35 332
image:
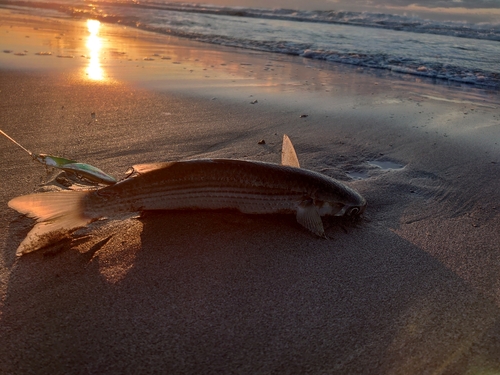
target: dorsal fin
288 154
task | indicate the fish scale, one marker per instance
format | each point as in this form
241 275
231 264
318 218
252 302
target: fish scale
249 186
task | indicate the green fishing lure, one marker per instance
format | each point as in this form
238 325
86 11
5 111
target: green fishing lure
82 170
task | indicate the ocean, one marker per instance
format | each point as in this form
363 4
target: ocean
448 51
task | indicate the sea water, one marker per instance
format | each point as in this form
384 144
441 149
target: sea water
450 51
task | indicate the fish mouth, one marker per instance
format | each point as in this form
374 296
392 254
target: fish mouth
355 211
339 209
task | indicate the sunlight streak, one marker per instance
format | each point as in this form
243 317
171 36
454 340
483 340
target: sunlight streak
94 43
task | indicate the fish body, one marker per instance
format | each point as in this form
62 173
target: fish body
251 187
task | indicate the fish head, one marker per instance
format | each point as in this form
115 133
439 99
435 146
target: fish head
337 199
355 211
336 208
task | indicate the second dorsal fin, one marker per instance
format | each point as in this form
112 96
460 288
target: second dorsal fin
288 154
138 169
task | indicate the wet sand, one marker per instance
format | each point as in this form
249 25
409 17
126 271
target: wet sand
413 288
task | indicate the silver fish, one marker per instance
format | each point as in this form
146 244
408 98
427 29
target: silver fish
248 186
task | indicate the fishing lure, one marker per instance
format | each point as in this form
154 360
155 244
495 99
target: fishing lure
81 170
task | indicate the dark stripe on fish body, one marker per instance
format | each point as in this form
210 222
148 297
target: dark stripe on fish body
250 186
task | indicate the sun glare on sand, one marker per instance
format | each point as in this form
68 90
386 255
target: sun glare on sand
94 43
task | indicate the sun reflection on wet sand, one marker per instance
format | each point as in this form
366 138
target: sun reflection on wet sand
94 70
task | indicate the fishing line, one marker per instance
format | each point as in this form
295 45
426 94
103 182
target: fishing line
12 140
81 170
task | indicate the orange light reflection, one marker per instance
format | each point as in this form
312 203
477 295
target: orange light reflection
94 43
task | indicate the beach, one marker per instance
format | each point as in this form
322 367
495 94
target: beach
412 288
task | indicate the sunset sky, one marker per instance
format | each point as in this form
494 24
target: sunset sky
472 10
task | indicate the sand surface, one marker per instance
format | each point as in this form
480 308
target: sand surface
413 288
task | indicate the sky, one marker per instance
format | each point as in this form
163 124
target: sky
468 10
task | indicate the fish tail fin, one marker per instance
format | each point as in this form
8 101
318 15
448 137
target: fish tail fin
57 214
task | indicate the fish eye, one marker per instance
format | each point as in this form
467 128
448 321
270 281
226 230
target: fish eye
353 211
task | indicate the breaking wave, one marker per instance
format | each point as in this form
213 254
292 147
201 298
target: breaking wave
450 50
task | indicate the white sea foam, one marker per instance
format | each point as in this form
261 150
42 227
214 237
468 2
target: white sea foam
489 31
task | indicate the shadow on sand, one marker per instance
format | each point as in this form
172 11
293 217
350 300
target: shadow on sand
187 292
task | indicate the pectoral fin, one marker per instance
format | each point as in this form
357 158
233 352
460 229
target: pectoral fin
308 216
288 154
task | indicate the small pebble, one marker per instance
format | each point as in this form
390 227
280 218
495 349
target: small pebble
302 116
261 142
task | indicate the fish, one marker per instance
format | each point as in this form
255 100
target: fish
251 187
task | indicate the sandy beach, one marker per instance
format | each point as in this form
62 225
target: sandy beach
413 288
